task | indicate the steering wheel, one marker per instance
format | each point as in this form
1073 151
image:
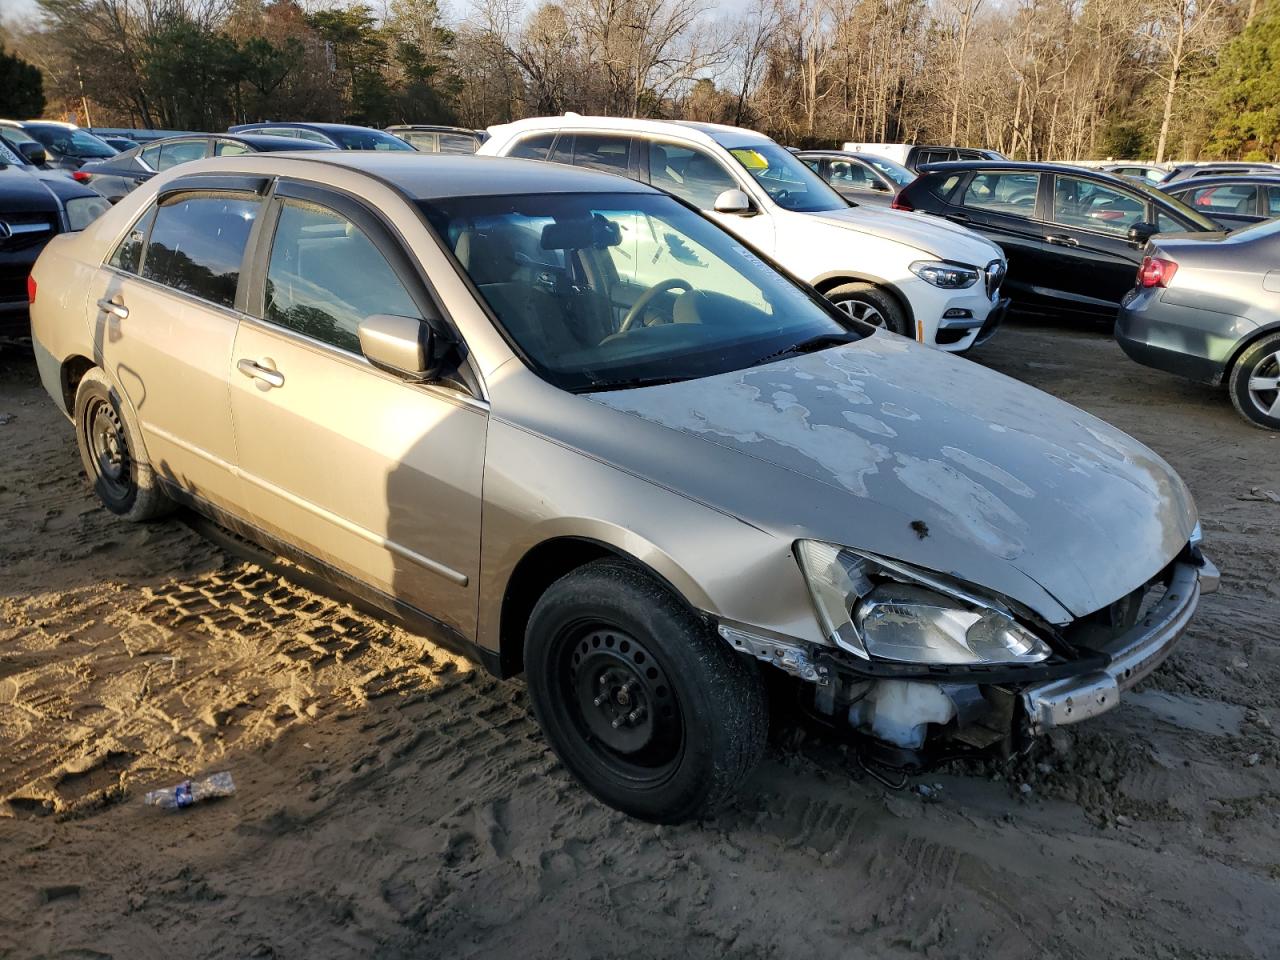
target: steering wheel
637 308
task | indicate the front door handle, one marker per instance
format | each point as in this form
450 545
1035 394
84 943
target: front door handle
272 378
113 308
1062 240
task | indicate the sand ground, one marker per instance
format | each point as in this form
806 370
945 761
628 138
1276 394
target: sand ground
394 801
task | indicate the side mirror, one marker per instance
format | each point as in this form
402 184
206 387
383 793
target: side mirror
33 153
733 201
405 346
880 185
1141 232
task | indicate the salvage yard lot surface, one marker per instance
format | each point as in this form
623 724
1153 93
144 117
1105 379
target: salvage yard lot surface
396 802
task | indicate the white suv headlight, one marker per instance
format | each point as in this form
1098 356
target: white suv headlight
881 609
948 276
82 211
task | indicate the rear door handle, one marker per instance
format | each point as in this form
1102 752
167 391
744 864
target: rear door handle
1062 240
113 308
272 378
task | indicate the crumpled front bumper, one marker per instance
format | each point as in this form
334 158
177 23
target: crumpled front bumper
1134 655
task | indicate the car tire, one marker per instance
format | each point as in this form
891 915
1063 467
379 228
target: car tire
1250 384
871 304
639 698
108 441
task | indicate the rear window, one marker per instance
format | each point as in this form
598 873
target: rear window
198 242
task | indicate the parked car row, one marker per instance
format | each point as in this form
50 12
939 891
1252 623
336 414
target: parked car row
696 473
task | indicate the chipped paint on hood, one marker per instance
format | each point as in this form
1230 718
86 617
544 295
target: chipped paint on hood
1079 507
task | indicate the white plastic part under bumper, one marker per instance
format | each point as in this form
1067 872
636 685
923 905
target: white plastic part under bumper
1133 656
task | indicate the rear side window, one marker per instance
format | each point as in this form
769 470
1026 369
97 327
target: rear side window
1272 208
198 242
1012 193
533 148
595 151
326 275
229 148
183 151
457 143
128 254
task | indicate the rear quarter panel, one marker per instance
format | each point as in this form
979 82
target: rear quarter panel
59 324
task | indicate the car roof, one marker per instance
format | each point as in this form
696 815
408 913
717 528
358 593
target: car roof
707 133
429 176
1195 183
318 127
430 128
1028 166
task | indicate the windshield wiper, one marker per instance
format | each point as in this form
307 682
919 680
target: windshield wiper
811 345
627 384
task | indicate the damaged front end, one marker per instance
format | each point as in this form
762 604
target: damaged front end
924 667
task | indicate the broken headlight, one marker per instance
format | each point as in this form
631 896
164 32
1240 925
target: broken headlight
881 609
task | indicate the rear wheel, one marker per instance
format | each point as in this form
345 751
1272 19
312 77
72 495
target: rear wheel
109 450
870 304
1255 383
638 697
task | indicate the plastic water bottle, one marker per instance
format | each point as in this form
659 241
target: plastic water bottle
192 791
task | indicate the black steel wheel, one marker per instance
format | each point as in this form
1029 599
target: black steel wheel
646 706
111 454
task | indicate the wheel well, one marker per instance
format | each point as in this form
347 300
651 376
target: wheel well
830 283
73 370
1242 347
539 569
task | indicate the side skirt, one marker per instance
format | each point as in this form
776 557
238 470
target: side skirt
244 540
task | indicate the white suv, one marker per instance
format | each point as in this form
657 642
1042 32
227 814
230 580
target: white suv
934 281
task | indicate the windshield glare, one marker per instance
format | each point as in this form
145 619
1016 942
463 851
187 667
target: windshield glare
367 140
70 142
603 291
789 183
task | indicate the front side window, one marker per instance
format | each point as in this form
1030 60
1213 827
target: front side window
150 157
1233 199
688 173
326 276
198 242
847 174
789 183
181 151
71 142
1010 193
1273 202
230 148
604 291
128 253
533 148
1078 202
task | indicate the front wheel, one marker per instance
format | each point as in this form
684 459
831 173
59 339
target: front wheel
1255 383
637 696
870 304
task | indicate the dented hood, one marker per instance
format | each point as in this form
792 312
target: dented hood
934 460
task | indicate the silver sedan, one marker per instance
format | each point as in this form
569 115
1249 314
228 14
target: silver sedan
562 421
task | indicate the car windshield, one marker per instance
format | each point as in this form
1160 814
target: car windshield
367 140
70 142
789 183
894 171
605 291
10 156
1170 202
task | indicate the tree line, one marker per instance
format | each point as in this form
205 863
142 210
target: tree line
1036 79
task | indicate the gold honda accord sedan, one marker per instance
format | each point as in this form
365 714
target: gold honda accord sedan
560 420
